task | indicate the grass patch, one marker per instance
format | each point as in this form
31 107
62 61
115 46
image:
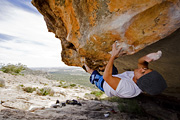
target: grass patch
127 105
63 84
45 91
72 85
97 93
29 89
21 85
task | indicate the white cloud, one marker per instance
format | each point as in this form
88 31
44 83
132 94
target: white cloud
32 44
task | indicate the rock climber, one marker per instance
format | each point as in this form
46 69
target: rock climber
130 83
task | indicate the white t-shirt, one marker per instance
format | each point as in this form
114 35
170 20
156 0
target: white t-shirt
126 88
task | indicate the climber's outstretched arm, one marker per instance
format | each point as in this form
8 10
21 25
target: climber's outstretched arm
107 76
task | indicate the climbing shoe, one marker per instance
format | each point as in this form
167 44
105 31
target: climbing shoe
73 102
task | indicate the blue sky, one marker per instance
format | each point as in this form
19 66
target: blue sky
24 37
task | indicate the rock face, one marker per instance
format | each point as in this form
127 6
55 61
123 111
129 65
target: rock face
88 28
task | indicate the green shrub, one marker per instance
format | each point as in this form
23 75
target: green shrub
72 85
29 89
45 91
13 69
21 85
97 93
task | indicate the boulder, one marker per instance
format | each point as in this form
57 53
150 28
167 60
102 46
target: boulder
87 30
16 104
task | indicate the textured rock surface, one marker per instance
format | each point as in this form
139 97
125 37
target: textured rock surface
167 65
90 110
95 110
88 28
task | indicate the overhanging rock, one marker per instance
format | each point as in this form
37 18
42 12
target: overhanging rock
88 28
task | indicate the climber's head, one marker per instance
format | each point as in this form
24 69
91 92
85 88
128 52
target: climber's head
152 82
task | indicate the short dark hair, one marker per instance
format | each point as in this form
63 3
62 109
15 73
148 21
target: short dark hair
152 83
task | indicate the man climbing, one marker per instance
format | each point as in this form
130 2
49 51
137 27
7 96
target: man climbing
130 83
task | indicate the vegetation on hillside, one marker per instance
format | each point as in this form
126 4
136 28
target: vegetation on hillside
72 76
29 89
13 69
39 91
45 91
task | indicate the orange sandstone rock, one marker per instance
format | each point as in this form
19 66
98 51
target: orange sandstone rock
88 28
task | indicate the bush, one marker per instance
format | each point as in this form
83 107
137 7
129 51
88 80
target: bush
72 85
45 91
21 85
13 69
29 89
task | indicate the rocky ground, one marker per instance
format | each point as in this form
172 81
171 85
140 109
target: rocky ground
16 103
14 95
